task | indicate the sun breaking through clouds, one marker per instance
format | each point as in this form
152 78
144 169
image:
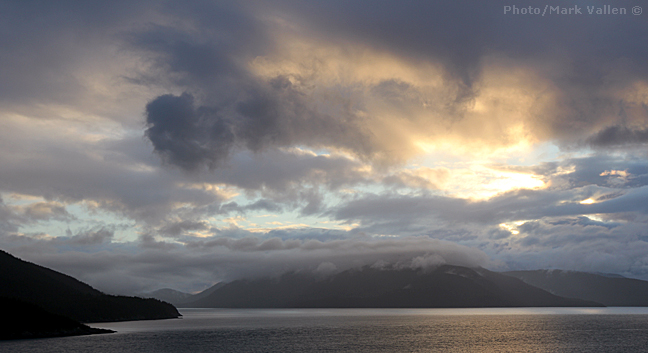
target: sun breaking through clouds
148 144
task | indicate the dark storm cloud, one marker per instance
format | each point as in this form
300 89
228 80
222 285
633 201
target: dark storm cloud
586 57
204 48
203 42
273 116
190 136
186 136
239 109
450 32
229 108
618 135
461 33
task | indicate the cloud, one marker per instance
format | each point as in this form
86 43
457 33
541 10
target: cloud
8 219
273 116
120 175
39 211
185 136
259 77
237 109
181 227
427 262
563 88
385 83
76 171
400 126
126 268
90 237
617 135
615 186
317 78
424 178
580 243
398 214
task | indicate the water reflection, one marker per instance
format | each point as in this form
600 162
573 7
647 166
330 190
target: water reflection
368 330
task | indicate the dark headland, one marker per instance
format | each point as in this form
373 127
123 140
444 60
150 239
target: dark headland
63 302
24 320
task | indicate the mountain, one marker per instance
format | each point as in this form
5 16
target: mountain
167 295
443 287
24 320
610 290
63 295
204 294
178 298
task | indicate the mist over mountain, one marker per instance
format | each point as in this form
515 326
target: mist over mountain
607 289
445 286
63 295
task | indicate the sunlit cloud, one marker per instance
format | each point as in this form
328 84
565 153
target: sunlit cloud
510 228
480 182
256 127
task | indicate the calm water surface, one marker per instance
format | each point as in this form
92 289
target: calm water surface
367 330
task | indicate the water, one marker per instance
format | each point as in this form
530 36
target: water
367 330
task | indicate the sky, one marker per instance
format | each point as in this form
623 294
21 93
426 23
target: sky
152 144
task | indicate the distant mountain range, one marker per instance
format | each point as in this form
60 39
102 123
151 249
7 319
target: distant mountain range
369 287
178 298
64 296
607 289
40 302
443 287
